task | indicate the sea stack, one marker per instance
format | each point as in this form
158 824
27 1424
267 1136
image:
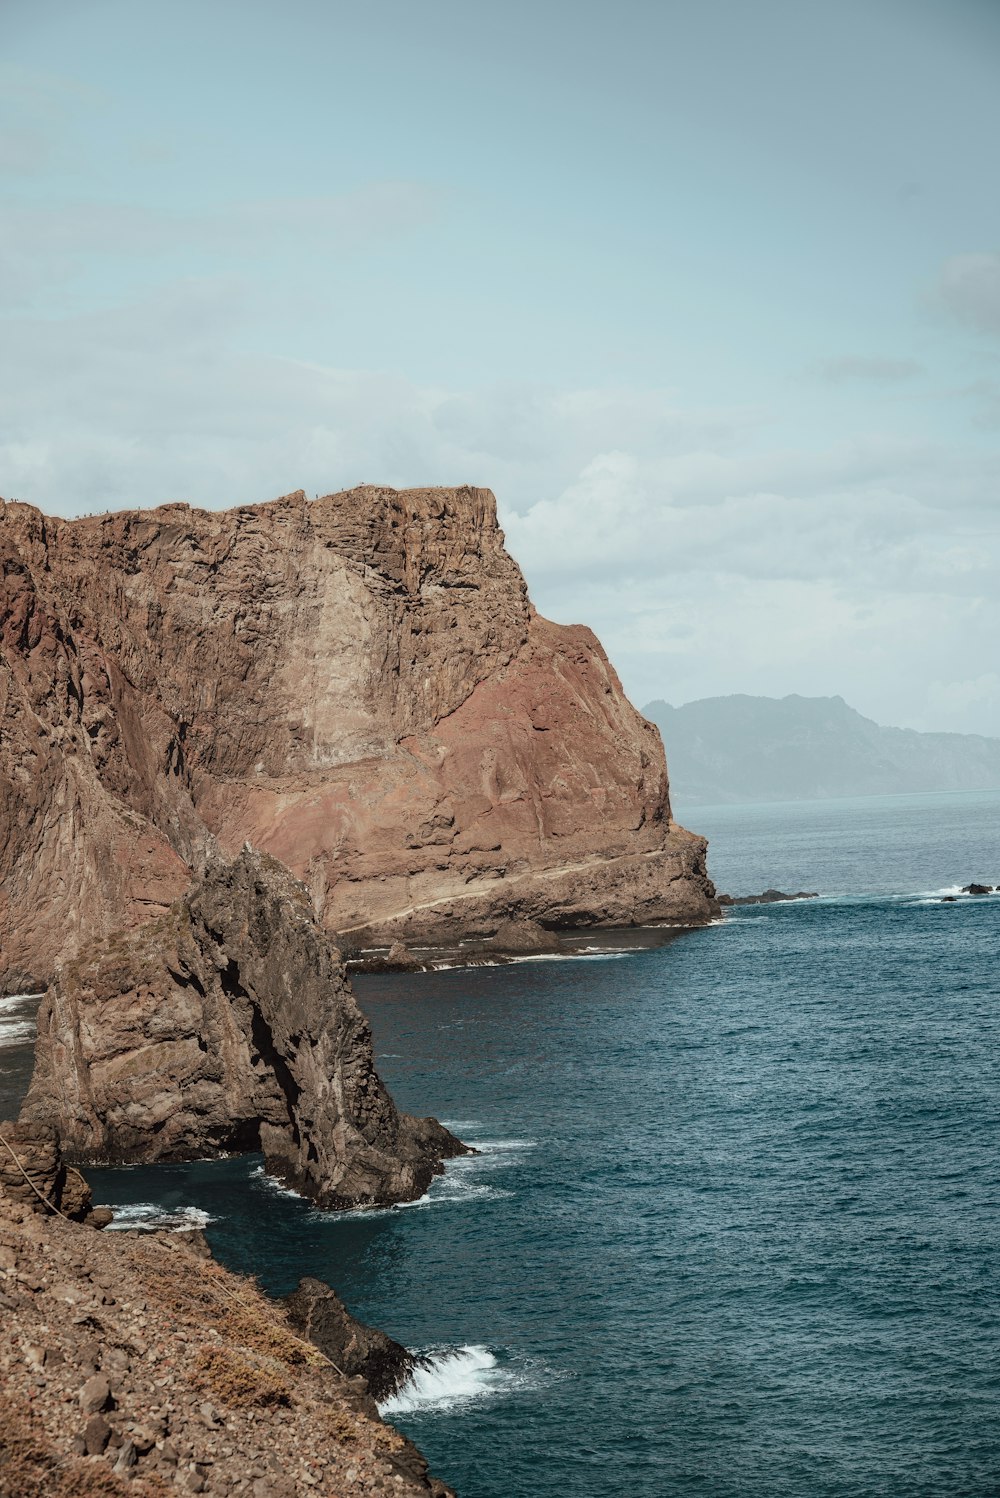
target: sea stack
227 1025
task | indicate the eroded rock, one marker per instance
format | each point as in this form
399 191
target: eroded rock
354 1348
227 1025
359 685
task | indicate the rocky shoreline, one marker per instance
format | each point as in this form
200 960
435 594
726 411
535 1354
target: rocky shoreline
237 748
227 1026
132 1363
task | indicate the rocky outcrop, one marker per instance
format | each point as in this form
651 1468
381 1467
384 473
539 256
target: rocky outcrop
227 1024
769 897
358 685
357 1350
33 1173
131 1365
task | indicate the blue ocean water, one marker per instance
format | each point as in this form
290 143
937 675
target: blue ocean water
734 1229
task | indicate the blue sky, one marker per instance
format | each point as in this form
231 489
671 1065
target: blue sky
708 294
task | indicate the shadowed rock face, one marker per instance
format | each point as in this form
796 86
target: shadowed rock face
358 685
227 1025
354 1348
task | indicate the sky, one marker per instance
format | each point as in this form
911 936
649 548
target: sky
707 293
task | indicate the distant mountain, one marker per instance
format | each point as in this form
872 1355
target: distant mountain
802 748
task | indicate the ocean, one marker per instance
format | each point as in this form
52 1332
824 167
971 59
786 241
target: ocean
734 1228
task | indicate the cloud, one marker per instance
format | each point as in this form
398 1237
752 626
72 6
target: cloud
969 289
883 371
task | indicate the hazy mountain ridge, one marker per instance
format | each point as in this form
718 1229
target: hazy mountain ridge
741 748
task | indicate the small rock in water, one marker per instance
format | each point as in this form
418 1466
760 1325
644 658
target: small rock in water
769 897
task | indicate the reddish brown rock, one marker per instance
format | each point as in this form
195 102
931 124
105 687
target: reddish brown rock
358 685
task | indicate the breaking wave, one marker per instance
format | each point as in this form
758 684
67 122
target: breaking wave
460 1185
260 1177
17 1019
446 1380
147 1216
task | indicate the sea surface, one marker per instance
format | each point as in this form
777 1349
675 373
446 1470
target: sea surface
735 1228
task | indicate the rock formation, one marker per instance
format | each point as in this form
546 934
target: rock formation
357 1350
227 1024
769 897
33 1172
358 685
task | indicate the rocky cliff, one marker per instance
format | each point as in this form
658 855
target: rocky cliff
358 685
226 1025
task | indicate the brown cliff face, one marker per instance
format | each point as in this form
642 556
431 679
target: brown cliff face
227 1025
358 685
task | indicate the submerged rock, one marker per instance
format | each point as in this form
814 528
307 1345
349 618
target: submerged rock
228 1025
769 897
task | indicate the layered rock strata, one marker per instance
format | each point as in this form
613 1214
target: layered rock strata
226 1025
358 685
130 1364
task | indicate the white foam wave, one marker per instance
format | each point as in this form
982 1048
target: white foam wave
271 1183
444 1380
16 1032
148 1216
588 955
12 1001
458 1185
496 1147
16 1026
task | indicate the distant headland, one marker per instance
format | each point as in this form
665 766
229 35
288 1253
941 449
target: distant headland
742 748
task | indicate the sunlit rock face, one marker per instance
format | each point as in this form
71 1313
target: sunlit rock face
358 685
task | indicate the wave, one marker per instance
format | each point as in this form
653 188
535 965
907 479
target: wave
17 1019
16 1032
260 1177
148 1217
444 1380
13 1000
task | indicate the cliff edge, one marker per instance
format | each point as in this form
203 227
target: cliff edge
358 685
